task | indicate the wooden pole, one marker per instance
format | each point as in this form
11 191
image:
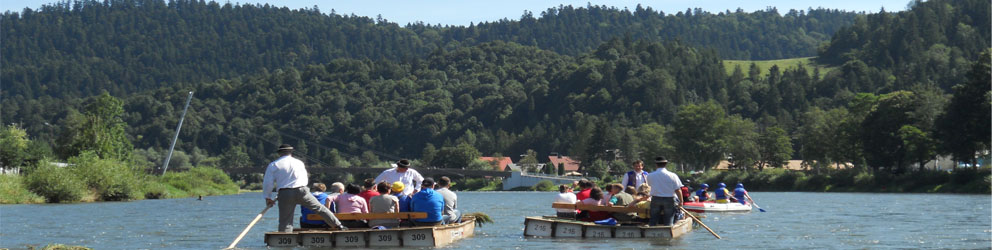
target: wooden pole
700 222
242 235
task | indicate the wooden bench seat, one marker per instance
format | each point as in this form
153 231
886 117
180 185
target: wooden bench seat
373 216
599 208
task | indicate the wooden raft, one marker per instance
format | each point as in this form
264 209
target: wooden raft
421 236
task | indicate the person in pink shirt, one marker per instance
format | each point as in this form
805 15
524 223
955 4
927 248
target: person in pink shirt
350 202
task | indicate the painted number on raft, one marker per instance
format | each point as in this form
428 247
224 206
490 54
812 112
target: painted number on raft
418 237
351 239
541 227
385 237
569 230
628 234
284 241
316 240
599 234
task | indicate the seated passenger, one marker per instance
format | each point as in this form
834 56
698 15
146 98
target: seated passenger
595 198
368 190
686 195
350 202
565 195
721 193
337 188
318 192
740 194
427 201
642 201
585 187
384 203
450 213
621 199
701 194
404 199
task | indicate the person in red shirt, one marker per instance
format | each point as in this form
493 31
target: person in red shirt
369 190
585 187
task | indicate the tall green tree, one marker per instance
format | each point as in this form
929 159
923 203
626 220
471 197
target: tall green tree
965 128
99 129
698 133
775 148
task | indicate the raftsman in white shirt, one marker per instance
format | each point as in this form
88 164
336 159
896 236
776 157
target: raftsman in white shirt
411 179
663 183
286 172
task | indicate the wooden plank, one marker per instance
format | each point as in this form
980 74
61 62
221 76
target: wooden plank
373 216
537 227
384 238
419 238
279 239
599 208
350 239
316 239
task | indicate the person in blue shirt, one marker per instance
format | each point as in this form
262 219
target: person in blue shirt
721 193
404 199
701 194
427 201
741 194
322 198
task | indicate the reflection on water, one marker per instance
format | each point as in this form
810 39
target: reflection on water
793 220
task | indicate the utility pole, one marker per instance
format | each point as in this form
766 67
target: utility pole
165 165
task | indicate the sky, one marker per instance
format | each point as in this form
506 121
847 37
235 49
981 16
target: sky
463 12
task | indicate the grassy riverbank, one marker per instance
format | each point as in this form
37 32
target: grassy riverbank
90 179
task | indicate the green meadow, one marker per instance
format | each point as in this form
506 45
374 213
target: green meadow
783 64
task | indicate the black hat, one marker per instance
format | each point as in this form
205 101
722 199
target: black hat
660 159
427 182
404 163
285 147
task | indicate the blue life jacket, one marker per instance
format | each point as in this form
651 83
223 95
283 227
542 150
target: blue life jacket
721 193
322 198
404 202
703 195
739 194
430 202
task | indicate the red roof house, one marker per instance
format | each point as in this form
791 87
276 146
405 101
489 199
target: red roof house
501 165
570 164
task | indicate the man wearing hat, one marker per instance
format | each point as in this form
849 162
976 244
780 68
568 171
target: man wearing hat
290 176
404 174
665 186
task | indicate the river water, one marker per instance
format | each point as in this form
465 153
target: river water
792 220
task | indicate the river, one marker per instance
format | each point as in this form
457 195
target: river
792 220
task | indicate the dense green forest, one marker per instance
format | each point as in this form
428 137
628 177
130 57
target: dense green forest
440 99
80 48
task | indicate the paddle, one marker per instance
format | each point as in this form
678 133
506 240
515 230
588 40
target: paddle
242 235
755 204
698 221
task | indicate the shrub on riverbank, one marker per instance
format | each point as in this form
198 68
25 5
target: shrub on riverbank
198 181
14 191
56 184
961 180
110 179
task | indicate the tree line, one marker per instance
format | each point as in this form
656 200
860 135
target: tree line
81 48
638 97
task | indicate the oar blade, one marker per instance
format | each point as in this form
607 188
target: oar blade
762 210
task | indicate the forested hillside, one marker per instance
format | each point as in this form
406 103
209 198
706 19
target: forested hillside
79 48
454 101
